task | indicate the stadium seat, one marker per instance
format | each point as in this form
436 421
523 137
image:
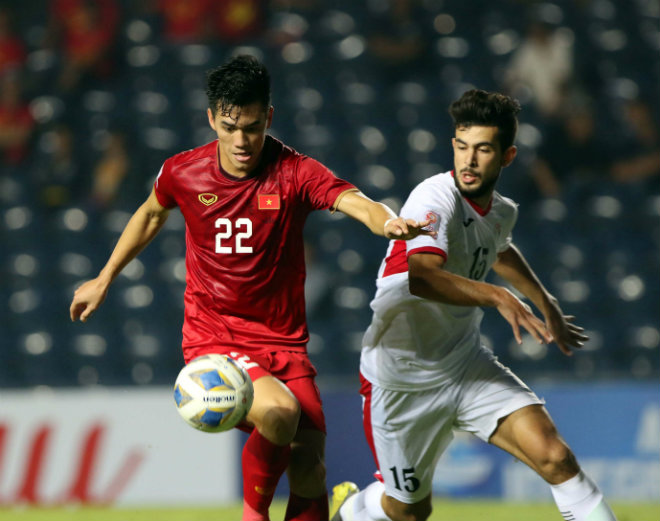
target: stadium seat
596 248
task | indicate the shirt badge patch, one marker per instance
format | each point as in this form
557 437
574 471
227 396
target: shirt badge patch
207 198
268 202
434 225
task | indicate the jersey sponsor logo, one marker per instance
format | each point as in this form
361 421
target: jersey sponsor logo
467 222
268 202
207 198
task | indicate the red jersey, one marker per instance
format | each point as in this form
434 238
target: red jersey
244 246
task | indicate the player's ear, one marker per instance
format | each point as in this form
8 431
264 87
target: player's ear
211 118
269 117
509 155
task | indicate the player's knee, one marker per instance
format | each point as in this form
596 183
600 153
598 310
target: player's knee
559 462
280 421
398 511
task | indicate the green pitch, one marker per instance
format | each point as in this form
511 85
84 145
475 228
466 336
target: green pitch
443 511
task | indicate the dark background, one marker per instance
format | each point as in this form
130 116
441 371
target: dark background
94 96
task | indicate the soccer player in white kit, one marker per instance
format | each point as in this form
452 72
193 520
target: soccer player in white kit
423 369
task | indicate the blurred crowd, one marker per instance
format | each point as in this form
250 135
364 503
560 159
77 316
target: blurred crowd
94 95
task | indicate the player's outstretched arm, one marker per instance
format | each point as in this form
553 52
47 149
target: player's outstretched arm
512 266
143 226
427 278
379 218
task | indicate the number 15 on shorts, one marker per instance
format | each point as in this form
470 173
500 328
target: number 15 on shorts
404 479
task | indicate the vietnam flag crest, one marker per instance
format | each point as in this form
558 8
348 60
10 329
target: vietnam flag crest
268 201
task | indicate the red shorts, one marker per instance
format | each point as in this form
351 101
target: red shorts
296 371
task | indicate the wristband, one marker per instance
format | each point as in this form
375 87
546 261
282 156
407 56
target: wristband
386 223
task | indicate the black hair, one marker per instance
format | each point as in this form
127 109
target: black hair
489 109
241 81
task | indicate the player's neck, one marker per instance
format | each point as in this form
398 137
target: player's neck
481 204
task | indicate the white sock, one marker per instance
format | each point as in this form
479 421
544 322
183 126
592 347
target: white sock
579 499
365 505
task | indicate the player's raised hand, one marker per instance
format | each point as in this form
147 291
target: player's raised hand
406 229
86 299
520 315
565 333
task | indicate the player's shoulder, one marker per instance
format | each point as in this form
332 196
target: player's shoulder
288 160
279 157
279 151
504 203
438 185
202 153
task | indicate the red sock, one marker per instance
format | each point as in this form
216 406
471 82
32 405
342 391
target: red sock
306 509
263 465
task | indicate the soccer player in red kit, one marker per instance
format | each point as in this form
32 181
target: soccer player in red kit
245 198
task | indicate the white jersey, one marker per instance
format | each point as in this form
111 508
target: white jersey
414 343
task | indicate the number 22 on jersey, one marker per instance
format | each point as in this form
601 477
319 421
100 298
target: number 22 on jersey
231 235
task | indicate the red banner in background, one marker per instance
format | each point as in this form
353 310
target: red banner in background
59 449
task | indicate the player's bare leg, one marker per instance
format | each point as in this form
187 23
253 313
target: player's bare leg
308 499
275 411
274 415
530 435
398 511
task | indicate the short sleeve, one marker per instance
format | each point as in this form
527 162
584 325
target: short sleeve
319 186
163 186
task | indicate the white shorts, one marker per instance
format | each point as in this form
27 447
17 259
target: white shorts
409 431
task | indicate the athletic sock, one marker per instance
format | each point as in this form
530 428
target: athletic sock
263 465
579 499
365 505
306 509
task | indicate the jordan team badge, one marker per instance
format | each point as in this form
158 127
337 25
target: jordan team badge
268 202
434 224
207 199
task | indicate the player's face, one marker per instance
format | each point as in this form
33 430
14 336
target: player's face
241 136
478 161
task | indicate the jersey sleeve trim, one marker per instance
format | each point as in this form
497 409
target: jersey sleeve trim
428 249
334 206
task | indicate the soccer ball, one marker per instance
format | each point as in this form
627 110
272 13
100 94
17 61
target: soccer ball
213 393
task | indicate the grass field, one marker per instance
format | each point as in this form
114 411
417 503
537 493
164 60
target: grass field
443 511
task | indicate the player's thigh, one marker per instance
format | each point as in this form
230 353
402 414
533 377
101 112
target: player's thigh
273 400
306 470
275 409
489 392
409 432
